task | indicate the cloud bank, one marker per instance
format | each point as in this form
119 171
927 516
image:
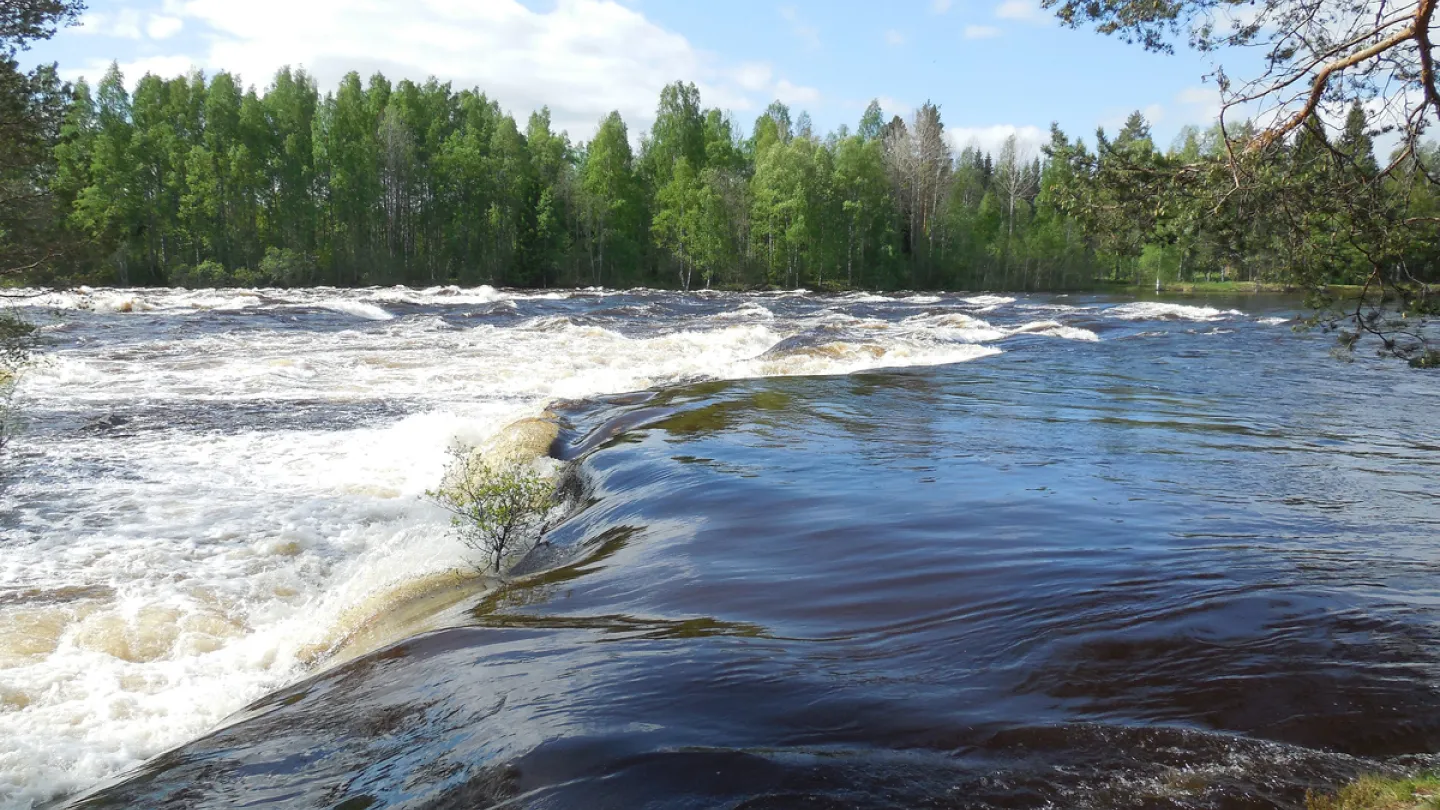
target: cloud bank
583 58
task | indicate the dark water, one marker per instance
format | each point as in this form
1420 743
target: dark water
1190 565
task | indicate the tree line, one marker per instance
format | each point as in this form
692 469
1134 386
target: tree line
196 181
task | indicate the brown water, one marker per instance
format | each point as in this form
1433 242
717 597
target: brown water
1189 564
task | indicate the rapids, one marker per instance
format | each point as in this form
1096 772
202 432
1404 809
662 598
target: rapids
860 550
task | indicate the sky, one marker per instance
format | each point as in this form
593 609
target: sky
995 67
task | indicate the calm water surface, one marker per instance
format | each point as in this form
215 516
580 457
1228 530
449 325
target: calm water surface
824 552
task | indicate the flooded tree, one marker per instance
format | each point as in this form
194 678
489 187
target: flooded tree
497 506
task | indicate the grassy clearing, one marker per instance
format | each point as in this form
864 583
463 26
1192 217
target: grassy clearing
1339 291
1226 287
1234 288
1381 793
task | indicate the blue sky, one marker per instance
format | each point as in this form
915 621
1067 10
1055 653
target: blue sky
993 66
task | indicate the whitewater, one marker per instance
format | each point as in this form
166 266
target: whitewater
219 492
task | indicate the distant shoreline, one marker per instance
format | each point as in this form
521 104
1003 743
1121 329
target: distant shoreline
1112 288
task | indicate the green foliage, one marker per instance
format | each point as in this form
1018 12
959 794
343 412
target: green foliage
872 123
678 134
1290 201
497 508
284 267
200 182
1429 358
609 202
33 241
1380 793
203 183
208 273
680 223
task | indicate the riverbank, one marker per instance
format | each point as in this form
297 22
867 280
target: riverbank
1221 288
1381 793
1146 288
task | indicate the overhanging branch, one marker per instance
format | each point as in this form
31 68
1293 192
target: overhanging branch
1322 80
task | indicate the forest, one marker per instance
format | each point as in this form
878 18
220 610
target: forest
198 181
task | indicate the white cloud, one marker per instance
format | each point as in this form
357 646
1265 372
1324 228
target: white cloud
981 32
1201 104
795 94
161 27
940 6
583 58
807 33
753 75
894 106
1024 11
124 24
1198 95
165 66
894 38
1028 139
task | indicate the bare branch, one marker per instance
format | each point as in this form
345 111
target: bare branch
1322 80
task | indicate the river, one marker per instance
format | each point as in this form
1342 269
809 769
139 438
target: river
822 551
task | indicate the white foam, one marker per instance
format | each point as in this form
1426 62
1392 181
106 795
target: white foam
865 298
161 301
1273 321
1160 310
82 299
959 326
218 565
1054 329
989 302
232 565
557 296
749 310
218 300
1048 307
450 294
1070 333
842 357
956 326
359 309
363 303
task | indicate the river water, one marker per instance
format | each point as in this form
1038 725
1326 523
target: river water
855 551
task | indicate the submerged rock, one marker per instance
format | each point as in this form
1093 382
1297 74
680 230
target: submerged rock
109 421
522 441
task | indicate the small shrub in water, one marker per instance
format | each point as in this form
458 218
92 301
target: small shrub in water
498 508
